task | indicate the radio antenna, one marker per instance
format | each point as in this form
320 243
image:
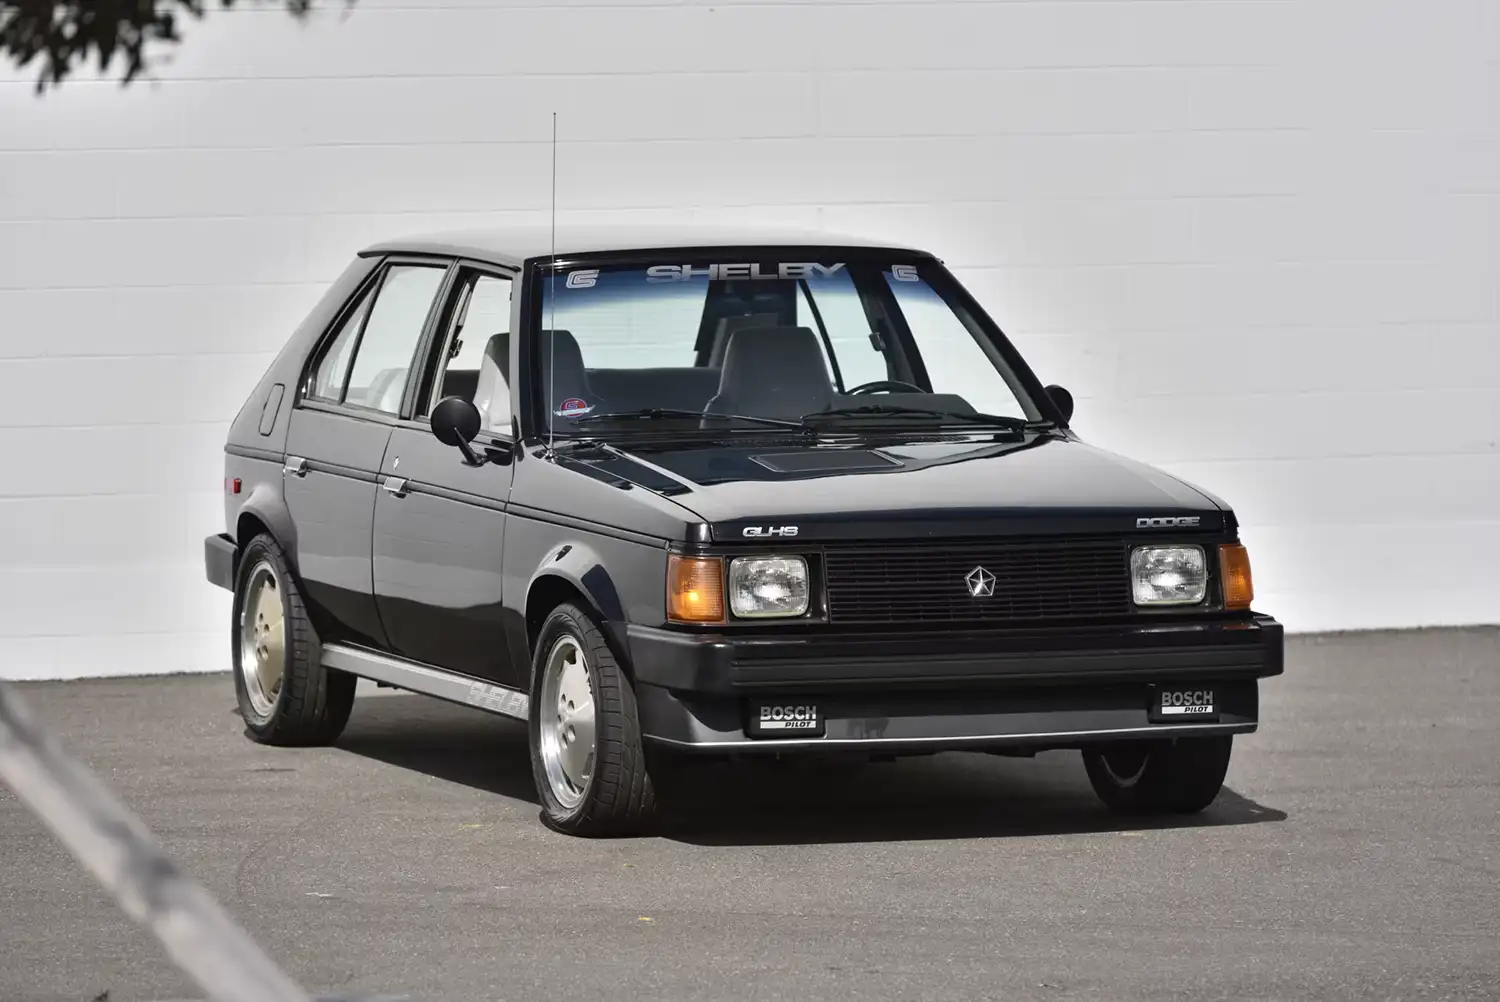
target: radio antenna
552 303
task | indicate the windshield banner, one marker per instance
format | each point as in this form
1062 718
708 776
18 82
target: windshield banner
752 270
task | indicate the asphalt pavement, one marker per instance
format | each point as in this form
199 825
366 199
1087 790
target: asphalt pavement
1355 854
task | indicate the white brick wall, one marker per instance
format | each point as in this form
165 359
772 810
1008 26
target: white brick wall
1260 239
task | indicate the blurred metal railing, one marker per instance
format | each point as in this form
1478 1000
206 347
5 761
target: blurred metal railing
115 846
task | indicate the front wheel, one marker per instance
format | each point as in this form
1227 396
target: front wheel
586 751
1180 776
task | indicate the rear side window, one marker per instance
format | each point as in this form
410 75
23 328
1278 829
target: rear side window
328 379
388 343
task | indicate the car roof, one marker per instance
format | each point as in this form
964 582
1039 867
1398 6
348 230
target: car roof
514 245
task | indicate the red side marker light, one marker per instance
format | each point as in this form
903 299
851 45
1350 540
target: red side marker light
232 485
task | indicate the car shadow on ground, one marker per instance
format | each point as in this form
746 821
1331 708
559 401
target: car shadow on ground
443 740
949 796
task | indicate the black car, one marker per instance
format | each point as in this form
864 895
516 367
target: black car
665 494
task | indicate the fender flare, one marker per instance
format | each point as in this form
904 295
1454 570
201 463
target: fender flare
266 504
578 565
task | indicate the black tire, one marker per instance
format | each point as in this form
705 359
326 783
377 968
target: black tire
312 703
1181 776
619 798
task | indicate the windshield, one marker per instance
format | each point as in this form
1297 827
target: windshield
743 343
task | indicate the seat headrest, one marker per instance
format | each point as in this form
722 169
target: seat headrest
726 328
386 390
566 385
773 372
492 390
497 351
763 355
564 344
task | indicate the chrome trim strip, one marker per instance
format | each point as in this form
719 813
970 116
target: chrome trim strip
770 744
251 452
428 681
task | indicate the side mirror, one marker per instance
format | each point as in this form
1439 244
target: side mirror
455 421
1063 401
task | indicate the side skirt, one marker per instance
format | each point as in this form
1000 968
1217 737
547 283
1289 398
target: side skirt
427 680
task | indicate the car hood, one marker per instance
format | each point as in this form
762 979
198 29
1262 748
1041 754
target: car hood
763 489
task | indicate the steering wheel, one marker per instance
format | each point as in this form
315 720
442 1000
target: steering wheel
887 385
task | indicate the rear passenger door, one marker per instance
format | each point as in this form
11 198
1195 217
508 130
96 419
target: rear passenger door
349 400
439 530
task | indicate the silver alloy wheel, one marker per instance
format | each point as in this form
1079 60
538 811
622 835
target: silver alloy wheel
566 722
1126 764
262 639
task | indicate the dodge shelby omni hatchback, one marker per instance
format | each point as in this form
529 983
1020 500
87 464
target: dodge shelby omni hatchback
677 494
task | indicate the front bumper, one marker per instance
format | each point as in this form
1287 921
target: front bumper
1058 688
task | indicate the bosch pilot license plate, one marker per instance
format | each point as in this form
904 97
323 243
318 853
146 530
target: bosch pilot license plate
1183 704
792 719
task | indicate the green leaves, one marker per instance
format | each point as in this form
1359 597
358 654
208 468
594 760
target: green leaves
66 34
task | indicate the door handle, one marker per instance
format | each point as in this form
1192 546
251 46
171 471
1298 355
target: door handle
295 465
394 486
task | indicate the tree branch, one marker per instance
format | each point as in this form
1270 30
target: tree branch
66 34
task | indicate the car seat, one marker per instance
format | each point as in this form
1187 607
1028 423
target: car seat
773 372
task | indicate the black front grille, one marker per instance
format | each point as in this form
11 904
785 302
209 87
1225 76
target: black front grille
1085 577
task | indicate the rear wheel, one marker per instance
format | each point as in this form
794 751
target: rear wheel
586 751
286 696
1180 776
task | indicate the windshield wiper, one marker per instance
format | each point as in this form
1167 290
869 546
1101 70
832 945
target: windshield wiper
975 417
652 413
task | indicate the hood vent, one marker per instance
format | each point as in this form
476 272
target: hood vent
825 461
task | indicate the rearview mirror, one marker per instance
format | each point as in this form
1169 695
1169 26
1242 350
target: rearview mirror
1063 401
455 421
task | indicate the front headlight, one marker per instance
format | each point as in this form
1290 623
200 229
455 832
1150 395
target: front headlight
1168 575
767 586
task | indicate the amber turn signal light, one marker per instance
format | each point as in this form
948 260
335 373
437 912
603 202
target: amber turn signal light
695 589
1234 569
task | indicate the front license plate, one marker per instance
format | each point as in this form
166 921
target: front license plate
1183 704
790 719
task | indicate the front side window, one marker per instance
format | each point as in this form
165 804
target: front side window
475 354
833 341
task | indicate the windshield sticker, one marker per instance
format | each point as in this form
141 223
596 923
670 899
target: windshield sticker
904 273
786 270
572 407
583 279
